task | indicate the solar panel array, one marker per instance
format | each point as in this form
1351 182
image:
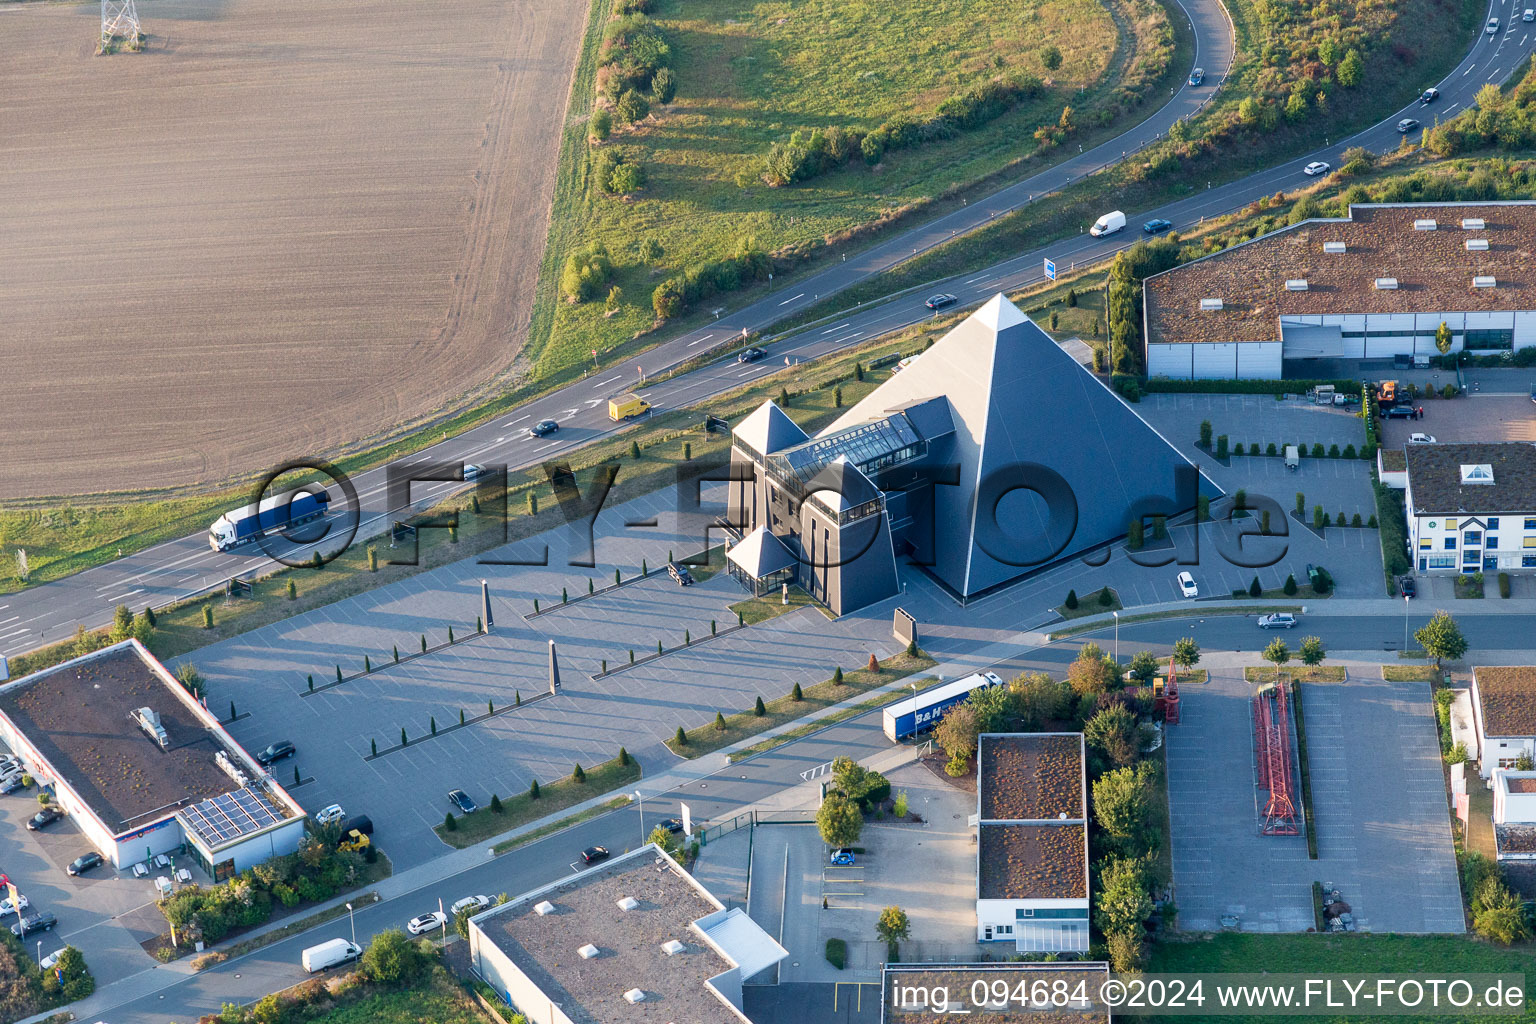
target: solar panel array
220 819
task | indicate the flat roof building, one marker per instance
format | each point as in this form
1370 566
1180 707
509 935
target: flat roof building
1032 841
142 767
634 941
1471 507
1376 284
957 464
1504 715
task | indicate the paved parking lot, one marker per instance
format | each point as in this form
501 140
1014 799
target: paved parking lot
1383 824
1473 418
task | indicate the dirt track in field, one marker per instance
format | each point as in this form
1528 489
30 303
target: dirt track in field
282 228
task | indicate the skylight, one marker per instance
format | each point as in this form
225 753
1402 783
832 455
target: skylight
1481 473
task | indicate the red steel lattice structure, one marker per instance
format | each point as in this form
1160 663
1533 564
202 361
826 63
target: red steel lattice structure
1272 743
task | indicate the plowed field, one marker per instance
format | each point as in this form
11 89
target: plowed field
281 228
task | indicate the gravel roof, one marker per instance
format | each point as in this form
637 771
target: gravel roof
1434 271
1434 478
1508 697
1042 861
78 716
586 911
1031 776
957 980
1393 460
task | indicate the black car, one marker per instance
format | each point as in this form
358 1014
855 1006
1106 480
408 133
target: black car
1407 125
83 863
679 574
673 824
461 800
593 854
1408 586
543 428
1156 226
34 923
276 752
1429 96
750 355
942 301
45 817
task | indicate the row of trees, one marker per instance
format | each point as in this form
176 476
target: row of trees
809 153
854 792
676 295
635 59
1126 273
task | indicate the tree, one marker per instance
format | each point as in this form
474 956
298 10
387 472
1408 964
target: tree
600 125
1441 639
1186 653
839 821
1143 667
667 299
994 708
392 959
957 733
1277 653
859 784
1205 433
626 178
1071 601
759 708
1296 107
1038 699
1311 651
893 925
1123 808
1255 588
578 774
663 85
1497 912
632 107
662 837
1290 584
1050 57
1351 69
1123 903
1114 736
1443 337
122 623
1090 673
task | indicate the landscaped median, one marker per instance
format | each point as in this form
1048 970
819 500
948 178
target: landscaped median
798 703
542 799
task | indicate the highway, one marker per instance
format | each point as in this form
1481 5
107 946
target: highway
169 571
719 796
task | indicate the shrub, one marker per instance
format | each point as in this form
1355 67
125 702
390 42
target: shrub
837 953
632 107
586 273
1071 601
600 125
663 85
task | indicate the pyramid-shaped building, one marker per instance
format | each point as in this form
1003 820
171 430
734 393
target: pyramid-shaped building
990 456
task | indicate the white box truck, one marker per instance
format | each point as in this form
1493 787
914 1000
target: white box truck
1108 224
329 954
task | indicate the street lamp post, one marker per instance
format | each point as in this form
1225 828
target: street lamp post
1405 622
353 922
641 800
1117 636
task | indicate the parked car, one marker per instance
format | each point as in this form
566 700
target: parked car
330 815
461 800
1429 96
276 752
12 784
43 922
1187 585
7 907
842 857
11 771
1408 586
1197 76
1407 125
50 961
750 355
543 428
1422 438
473 904
1315 168
673 824
1529 15
45 817
85 862
1156 226
426 922
593 854
941 301
1278 620
680 574
1399 412
1492 26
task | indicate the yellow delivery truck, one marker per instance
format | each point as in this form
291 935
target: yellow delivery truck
627 406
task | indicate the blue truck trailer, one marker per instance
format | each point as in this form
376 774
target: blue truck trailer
912 715
278 512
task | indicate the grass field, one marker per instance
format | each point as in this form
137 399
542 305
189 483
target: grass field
555 795
1408 673
1358 953
314 236
437 999
1307 674
753 72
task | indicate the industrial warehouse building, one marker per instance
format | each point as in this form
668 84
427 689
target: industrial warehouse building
1032 841
1374 285
962 463
142 767
1471 507
634 941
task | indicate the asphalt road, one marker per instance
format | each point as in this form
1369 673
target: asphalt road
176 569
742 785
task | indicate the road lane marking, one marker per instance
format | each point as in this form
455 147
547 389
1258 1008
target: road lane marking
832 330
13 618
602 383
513 423
700 341
792 299
130 593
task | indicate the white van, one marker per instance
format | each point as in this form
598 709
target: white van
1108 224
329 954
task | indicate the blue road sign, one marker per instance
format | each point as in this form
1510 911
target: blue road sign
1050 270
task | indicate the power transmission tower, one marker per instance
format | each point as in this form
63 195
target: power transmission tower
119 19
